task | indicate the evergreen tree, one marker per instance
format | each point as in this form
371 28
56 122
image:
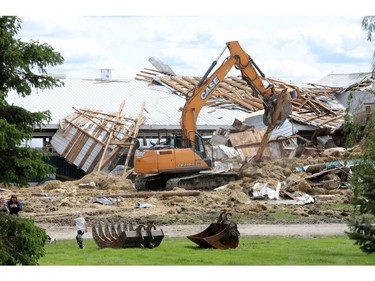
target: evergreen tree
22 68
362 223
21 242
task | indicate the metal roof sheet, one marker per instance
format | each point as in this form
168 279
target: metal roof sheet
162 107
358 100
256 119
344 80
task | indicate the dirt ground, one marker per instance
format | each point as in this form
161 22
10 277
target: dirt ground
296 230
104 197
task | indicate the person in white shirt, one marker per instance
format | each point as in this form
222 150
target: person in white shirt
81 227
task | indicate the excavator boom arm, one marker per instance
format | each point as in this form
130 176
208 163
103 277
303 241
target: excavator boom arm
205 89
199 98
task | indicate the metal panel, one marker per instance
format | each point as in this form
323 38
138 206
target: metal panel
162 107
255 120
344 80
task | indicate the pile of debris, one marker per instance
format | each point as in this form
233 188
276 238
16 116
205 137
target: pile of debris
297 183
94 140
310 105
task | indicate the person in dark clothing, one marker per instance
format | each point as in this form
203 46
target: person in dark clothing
14 205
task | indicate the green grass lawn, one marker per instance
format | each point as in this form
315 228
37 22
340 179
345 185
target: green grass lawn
252 250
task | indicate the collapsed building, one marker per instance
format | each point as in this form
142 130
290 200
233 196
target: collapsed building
87 135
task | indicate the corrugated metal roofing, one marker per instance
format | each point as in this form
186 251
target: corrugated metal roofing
344 80
358 100
358 85
256 119
162 107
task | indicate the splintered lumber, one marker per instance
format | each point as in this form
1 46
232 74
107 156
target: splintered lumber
235 91
140 121
110 134
270 128
91 138
142 194
325 197
264 142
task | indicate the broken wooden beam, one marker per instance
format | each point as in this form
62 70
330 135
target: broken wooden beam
142 194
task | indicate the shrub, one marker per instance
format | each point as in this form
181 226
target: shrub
21 242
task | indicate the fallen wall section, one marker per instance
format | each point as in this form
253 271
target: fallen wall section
93 140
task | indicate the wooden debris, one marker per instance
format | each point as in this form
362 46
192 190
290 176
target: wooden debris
325 197
94 140
157 194
140 121
111 133
234 92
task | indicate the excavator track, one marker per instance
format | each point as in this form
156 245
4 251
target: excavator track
202 181
149 182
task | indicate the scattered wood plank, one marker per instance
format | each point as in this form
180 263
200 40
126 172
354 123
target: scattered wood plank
233 89
169 193
110 134
140 121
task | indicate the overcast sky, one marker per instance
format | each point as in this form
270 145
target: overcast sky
299 47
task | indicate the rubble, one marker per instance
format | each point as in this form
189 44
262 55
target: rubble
94 140
54 202
310 105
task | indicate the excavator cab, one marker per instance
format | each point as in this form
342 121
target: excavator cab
175 140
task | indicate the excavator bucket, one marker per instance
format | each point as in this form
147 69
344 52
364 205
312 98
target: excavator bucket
227 238
200 238
125 235
220 235
277 108
152 237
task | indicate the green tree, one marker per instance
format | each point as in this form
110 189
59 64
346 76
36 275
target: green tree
362 223
21 242
23 66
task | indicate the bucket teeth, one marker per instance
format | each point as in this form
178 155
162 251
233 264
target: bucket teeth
101 241
119 229
102 234
126 235
113 231
108 233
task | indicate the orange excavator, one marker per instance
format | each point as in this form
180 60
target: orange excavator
182 160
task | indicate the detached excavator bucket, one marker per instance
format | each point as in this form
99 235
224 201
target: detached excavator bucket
210 231
228 238
220 235
124 235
